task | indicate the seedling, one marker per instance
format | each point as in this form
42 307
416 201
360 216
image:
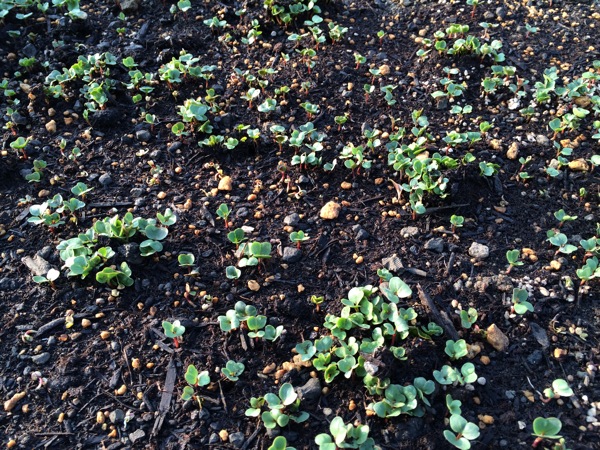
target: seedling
563 217
520 303
298 237
236 237
194 378
453 405
173 330
233 370
280 443
186 259
474 4
80 189
457 222
19 144
50 277
343 435
449 375
589 271
560 388
115 278
465 432
281 408
468 318
317 301
223 212
340 120
560 240
232 272
456 350
38 166
512 256
545 429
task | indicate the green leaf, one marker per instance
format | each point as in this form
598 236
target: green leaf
287 394
191 375
155 233
547 428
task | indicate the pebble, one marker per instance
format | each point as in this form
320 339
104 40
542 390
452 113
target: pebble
291 220
253 285
392 263
143 135
225 184
116 416
51 126
41 359
237 439
346 185
513 151
435 245
542 140
535 358
579 165
479 251
496 338
310 391
213 439
362 235
137 435
330 211
105 179
407 232
291 255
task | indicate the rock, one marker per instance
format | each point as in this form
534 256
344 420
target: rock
579 165
172 148
29 50
137 435
501 12
513 151
253 285
496 338
479 251
539 334
504 283
384 70
496 144
143 135
291 255
407 232
128 6
131 253
542 140
362 235
213 439
291 220
242 212
435 245
117 416
393 264
41 359
310 391
346 185
225 183
51 126
535 358
37 265
105 179
330 211
237 439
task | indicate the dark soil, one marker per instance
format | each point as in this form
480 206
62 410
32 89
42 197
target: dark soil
116 338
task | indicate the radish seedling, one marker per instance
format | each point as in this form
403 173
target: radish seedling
173 330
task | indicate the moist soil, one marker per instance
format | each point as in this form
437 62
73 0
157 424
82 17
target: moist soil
94 363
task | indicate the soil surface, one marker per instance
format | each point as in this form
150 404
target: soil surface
88 365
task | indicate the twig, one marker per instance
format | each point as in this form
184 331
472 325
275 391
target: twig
441 318
251 438
165 399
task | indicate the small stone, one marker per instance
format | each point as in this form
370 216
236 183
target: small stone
51 126
435 245
43 193
310 391
542 140
105 179
496 338
362 235
225 183
224 435
137 435
407 232
496 144
330 211
253 285
485 360
513 151
37 265
579 165
161 195
539 334
486 418
237 439
479 251
346 185
213 439
128 6
535 358
292 220
291 255
41 359
555 265
269 369
384 70
393 264
117 416
143 135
